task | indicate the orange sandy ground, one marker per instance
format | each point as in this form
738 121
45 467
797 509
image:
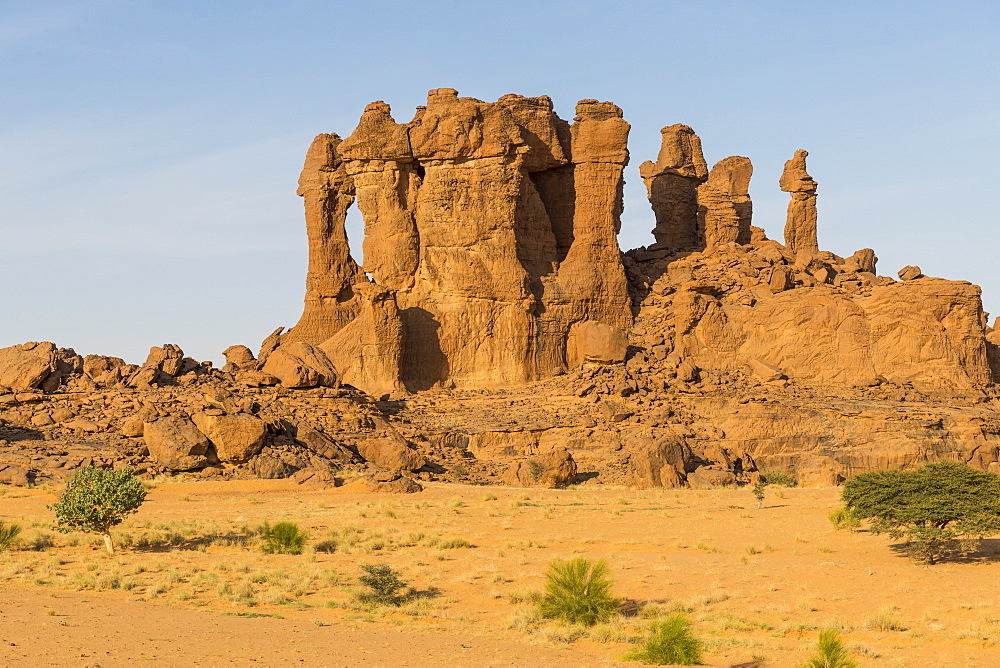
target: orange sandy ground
757 584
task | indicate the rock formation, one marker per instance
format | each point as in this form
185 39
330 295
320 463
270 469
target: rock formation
497 334
724 207
672 184
489 233
800 226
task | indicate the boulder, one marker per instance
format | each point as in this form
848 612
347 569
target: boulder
236 437
658 462
301 365
176 443
390 451
25 366
324 446
909 273
594 342
550 470
238 358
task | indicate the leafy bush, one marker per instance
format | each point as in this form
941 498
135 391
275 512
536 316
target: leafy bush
282 538
844 518
671 643
778 478
758 492
96 500
830 652
384 585
578 591
933 508
8 535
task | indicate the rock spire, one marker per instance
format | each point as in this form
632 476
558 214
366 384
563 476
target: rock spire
800 226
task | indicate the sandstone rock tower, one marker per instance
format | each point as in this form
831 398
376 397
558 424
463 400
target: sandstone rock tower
490 236
800 226
672 184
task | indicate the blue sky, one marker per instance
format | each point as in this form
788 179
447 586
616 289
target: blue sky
149 151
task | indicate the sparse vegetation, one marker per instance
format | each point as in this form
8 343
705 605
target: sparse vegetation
670 643
282 538
758 492
384 585
830 652
96 500
578 591
778 478
844 519
9 534
939 509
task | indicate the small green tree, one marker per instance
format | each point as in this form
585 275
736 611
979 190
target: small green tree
758 492
671 643
578 591
933 507
384 585
830 652
96 500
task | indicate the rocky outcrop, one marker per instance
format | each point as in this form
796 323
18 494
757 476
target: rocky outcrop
672 185
724 207
490 231
498 334
800 225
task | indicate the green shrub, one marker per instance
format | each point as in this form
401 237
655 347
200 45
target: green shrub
844 518
758 492
282 538
830 652
578 591
384 585
671 643
779 478
8 535
95 500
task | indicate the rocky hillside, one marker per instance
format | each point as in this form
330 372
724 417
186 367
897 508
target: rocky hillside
497 333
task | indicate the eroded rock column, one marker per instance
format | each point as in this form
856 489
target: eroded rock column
328 192
800 225
724 206
672 186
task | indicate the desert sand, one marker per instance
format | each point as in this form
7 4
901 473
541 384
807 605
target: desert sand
757 584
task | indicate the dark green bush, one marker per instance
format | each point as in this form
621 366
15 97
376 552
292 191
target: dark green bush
384 585
282 538
578 591
671 643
